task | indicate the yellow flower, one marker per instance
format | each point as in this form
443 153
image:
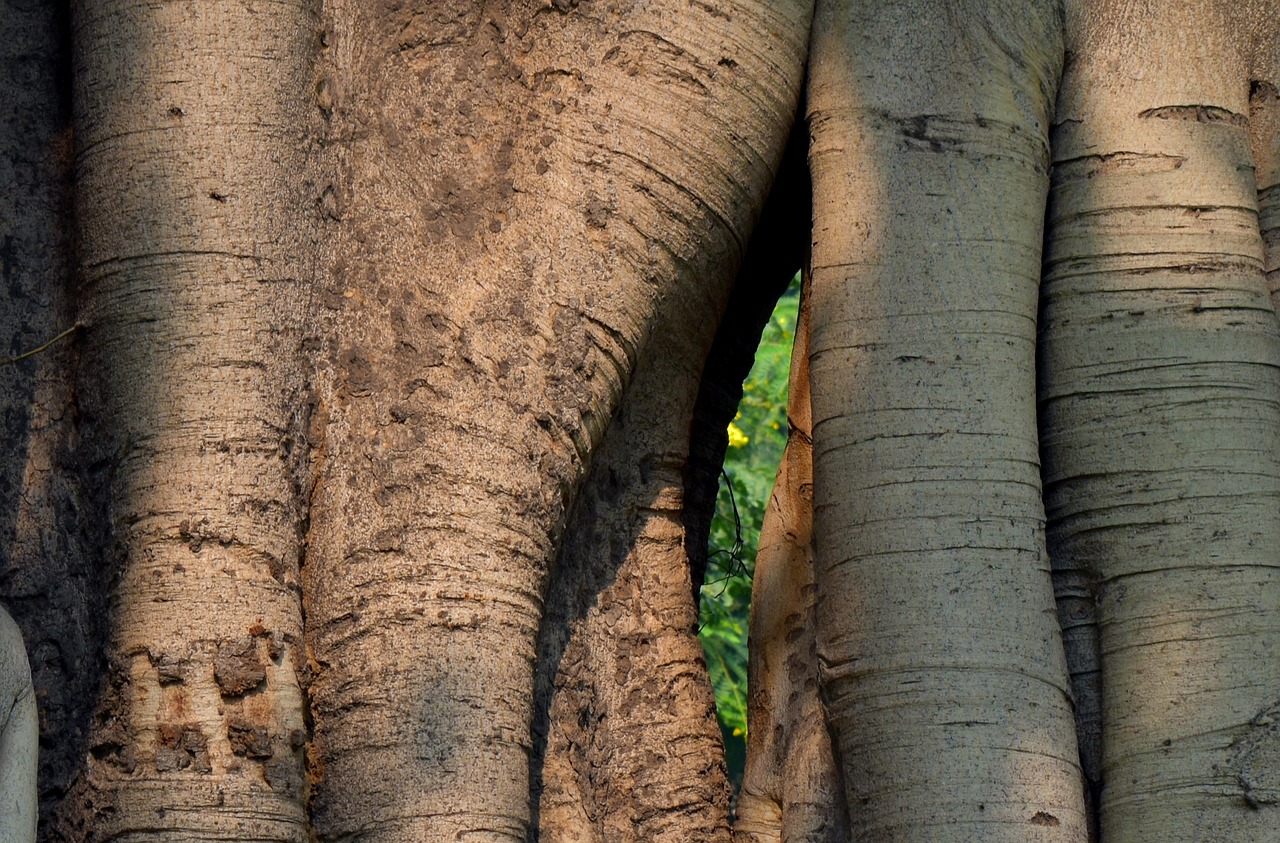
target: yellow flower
736 437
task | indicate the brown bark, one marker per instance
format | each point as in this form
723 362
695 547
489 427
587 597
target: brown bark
631 746
1256 24
516 188
191 137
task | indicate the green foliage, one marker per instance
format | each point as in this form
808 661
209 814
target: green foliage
757 437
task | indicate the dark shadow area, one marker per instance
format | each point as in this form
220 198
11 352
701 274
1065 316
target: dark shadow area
775 254
48 526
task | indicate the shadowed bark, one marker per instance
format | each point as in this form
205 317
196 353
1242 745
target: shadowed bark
1160 383
624 717
193 255
774 255
518 191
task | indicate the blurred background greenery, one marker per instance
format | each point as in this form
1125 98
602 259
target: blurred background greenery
757 437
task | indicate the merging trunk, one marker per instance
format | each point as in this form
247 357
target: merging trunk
191 130
791 791
463 225
631 746
518 187
626 744
941 661
1160 406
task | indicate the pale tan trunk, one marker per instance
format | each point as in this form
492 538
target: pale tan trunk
1161 433
517 187
791 791
942 663
191 140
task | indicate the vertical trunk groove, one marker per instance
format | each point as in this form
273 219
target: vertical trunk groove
192 129
45 543
775 253
1160 407
941 660
1256 26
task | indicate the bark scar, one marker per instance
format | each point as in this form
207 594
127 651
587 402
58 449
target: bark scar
1196 113
1256 759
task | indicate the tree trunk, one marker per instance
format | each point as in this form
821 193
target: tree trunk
192 125
517 189
368 286
47 544
19 735
1256 26
356 446
1159 397
942 664
632 748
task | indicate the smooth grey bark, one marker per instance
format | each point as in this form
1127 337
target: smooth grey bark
1160 412
19 736
941 662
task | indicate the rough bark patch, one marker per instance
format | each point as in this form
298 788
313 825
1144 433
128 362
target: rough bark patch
247 739
181 746
1197 114
237 667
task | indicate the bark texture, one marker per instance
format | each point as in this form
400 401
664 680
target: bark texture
1158 400
192 124
626 745
941 662
1256 28
791 791
46 541
516 188
631 745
